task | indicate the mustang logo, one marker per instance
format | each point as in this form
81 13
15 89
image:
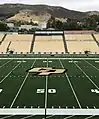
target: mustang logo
46 71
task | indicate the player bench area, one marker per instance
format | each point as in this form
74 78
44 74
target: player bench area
73 92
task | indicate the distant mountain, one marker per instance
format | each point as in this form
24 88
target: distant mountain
37 12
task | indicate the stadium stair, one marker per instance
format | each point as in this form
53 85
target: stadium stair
3 38
65 45
32 44
95 39
8 46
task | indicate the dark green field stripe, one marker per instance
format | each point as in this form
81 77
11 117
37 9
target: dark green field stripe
12 84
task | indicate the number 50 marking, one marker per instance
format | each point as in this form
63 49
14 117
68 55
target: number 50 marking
52 91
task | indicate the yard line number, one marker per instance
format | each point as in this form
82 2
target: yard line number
95 91
51 91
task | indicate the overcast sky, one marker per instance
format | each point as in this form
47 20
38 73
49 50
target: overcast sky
82 5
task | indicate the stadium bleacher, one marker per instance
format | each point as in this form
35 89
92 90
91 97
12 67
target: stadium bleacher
78 37
18 43
81 43
50 42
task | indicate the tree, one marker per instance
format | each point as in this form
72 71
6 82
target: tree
59 25
51 22
3 26
31 31
23 31
71 24
91 22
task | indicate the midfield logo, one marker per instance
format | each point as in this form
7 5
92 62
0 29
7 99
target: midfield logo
46 71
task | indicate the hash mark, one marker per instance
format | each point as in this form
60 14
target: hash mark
52 107
73 107
59 106
3 107
94 107
87 107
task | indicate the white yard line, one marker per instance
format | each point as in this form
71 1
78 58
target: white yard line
21 86
10 72
50 111
89 117
51 58
49 117
78 102
46 90
71 111
5 63
92 65
69 117
7 117
86 75
22 111
26 117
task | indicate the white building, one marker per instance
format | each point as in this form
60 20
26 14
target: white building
10 25
42 25
28 27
